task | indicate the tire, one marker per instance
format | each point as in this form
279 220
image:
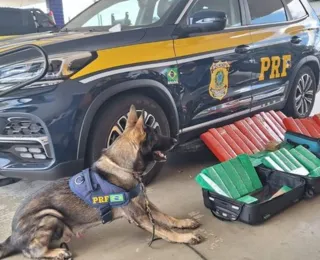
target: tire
111 116
302 95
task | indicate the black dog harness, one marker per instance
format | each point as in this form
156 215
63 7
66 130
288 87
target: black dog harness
98 193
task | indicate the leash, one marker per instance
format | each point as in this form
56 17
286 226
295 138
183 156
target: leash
146 203
153 238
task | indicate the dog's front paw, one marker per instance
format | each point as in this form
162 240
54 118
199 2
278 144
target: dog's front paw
192 224
62 254
195 239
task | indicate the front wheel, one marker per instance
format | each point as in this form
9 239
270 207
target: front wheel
110 123
303 93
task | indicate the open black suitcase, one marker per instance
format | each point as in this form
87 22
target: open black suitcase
232 210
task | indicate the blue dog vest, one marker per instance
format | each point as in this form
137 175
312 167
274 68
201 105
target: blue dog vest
98 193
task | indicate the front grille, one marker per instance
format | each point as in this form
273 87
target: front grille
19 127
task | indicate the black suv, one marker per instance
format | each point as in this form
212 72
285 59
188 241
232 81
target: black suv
15 21
191 64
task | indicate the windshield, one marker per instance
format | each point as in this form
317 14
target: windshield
126 13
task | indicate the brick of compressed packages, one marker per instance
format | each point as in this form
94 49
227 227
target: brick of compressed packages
303 160
235 178
251 171
227 181
285 160
214 176
243 174
306 153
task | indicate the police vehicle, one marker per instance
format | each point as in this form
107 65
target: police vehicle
191 64
16 21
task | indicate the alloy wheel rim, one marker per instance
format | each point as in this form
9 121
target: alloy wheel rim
120 125
304 95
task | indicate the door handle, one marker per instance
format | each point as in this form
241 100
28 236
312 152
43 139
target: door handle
296 40
241 49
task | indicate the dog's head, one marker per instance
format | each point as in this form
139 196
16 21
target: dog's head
152 145
136 147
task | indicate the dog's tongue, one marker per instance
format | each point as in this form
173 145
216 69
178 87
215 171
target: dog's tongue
160 155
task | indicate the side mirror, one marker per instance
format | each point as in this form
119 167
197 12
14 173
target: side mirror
206 21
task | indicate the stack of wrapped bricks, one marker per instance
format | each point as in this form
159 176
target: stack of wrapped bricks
247 136
307 126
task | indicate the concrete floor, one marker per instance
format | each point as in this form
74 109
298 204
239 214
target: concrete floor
291 235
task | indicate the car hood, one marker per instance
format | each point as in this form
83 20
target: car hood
72 41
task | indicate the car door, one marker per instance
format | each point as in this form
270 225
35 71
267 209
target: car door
271 33
213 67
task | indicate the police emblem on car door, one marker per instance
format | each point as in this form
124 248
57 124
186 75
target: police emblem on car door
219 84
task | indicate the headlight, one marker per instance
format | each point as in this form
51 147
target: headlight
61 67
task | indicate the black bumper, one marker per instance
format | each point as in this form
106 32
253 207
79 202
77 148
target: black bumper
27 150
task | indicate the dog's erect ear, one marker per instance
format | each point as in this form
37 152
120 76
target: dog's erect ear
140 123
132 117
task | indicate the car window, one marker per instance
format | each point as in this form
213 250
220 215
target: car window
230 7
267 11
107 13
296 9
127 10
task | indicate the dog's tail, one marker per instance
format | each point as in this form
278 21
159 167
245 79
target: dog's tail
6 248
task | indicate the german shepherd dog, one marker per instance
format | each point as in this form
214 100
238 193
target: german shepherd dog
56 214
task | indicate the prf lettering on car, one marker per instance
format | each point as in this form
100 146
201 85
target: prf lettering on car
273 64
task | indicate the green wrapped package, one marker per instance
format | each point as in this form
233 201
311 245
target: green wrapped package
206 183
285 160
271 164
303 160
293 160
243 174
235 178
306 153
278 161
203 183
214 176
227 181
247 199
251 171
315 173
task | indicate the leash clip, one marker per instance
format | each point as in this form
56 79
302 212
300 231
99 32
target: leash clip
106 215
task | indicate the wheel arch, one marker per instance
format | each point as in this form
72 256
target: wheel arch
310 61
315 66
150 88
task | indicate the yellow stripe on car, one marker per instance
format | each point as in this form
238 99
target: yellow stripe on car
116 57
157 51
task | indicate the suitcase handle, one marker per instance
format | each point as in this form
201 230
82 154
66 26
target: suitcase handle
221 217
224 215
